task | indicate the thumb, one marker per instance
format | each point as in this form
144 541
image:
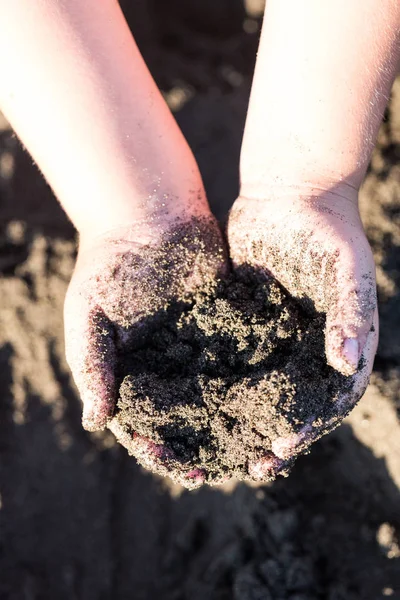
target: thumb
90 353
351 320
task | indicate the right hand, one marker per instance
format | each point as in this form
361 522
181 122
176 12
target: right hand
120 278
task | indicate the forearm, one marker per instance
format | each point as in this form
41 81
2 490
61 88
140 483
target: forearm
79 95
322 80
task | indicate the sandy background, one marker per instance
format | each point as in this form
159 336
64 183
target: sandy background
78 518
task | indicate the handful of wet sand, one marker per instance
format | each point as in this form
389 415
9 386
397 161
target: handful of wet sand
223 386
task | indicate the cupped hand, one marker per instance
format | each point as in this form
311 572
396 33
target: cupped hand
316 248
120 278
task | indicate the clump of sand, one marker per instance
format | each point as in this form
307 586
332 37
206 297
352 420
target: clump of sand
208 386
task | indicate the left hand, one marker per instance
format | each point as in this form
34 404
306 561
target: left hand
317 249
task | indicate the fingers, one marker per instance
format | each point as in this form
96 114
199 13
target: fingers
156 457
91 356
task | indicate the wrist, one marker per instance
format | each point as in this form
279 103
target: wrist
324 191
139 211
138 228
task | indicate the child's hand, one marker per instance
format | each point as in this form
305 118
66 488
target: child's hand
317 249
120 278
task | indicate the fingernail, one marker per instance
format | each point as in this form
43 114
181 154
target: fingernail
350 352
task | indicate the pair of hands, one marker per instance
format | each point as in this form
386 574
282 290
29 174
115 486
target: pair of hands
314 246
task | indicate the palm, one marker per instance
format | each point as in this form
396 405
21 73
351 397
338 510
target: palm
117 283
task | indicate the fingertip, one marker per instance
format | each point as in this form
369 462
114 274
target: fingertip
96 414
91 422
98 399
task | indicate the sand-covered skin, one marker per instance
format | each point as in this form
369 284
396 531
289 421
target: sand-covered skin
209 389
121 278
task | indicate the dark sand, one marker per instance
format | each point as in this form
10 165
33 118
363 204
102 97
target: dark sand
214 382
79 520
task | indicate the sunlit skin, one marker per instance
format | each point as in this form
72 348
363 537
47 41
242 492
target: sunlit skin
79 95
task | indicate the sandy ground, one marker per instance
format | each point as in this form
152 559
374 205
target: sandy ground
78 518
